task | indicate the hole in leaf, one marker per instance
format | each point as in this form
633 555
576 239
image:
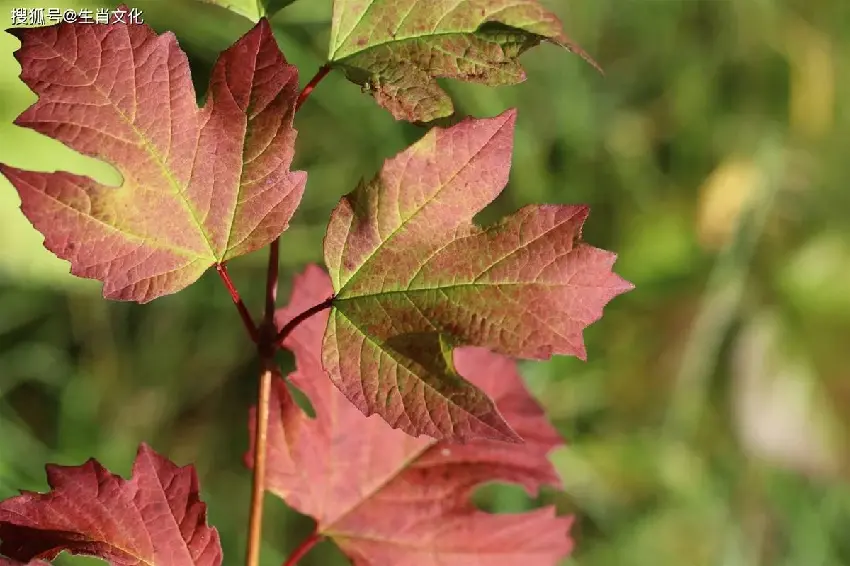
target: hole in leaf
301 400
68 559
499 497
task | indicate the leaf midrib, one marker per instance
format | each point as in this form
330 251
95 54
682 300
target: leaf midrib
443 291
394 39
393 355
412 38
427 202
328 530
147 144
340 299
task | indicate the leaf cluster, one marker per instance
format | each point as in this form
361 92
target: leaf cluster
417 318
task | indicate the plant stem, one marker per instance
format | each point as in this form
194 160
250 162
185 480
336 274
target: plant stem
302 549
258 487
308 88
247 321
274 248
271 281
267 341
290 326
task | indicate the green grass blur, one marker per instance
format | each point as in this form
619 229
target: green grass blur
709 426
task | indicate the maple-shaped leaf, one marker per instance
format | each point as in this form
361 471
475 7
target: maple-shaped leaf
414 276
154 518
387 498
200 186
396 49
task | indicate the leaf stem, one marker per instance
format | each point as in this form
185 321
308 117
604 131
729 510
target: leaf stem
258 486
247 321
303 549
308 88
290 326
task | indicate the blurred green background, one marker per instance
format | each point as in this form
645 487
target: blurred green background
710 424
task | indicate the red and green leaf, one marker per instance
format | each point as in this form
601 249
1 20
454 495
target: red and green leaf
155 517
396 49
414 276
387 498
200 186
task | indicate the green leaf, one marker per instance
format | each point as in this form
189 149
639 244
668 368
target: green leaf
252 9
414 277
396 49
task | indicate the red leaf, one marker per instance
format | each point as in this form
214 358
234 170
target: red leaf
200 186
153 518
414 276
387 498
